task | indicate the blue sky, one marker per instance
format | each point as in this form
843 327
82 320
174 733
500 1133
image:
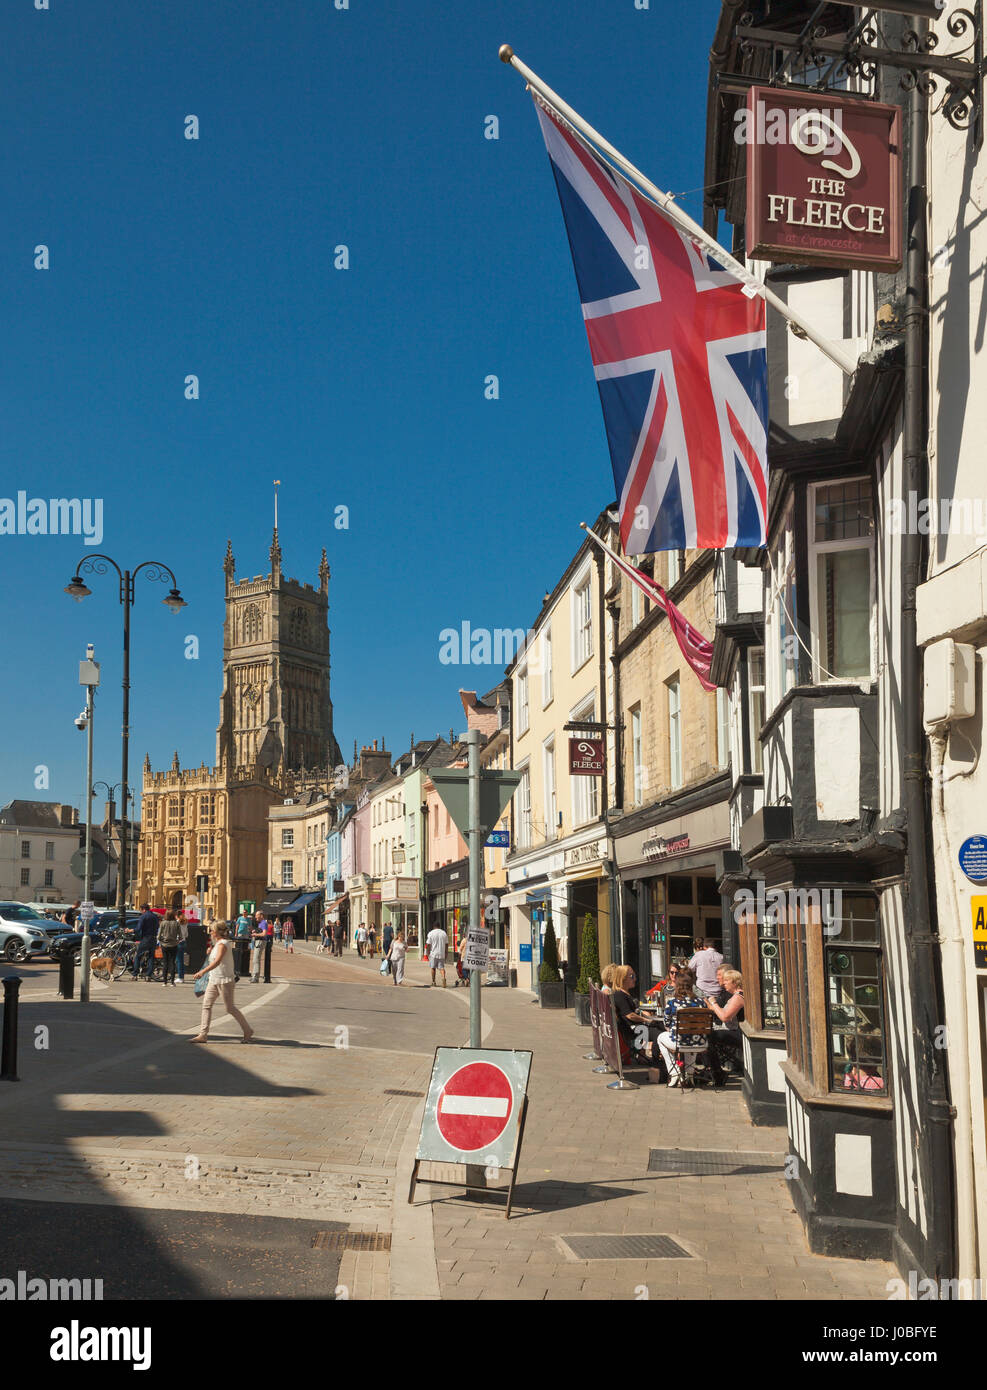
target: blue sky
361 388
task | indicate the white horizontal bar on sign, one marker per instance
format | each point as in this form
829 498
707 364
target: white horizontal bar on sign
474 1105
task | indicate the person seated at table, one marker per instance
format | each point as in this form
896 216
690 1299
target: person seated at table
722 995
683 998
606 978
633 1027
728 1007
863 1072
665 989
730 1015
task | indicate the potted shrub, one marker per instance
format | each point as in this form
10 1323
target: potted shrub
589 969
550 987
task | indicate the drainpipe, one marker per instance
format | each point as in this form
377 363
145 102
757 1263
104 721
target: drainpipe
615 926
935 1141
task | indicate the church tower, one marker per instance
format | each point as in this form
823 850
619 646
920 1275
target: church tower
275 711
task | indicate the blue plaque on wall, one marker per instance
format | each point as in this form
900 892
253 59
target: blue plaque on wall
524 952
973 858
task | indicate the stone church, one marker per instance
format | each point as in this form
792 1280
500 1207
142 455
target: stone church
275 740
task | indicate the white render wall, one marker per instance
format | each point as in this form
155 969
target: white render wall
953 601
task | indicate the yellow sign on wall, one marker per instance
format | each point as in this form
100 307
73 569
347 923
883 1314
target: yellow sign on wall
978 909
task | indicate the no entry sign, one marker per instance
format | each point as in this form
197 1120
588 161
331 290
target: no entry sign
474 1107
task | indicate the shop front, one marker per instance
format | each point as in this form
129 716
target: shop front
669 868
447 897
358 893
337 910
400 904
587 880
306 913
277 901
531 901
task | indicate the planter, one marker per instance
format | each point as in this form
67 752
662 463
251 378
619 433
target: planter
582 1009
551 994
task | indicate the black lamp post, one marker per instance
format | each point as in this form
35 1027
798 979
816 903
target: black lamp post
76 588
111 798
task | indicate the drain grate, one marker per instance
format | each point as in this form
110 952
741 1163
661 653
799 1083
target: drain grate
710 1162
351 1240
626 1248
417 1094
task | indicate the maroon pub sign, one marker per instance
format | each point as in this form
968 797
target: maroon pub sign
586 756
823 179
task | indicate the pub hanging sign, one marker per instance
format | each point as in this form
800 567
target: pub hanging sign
823 179
586 757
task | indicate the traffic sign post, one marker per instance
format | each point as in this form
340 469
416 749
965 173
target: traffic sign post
474 1116
475 800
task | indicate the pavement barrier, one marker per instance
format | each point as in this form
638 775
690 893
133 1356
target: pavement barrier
66 976
8 1049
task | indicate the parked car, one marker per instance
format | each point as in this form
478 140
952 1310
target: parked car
22 935
110 920
70 944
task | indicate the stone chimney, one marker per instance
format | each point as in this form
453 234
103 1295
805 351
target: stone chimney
374 761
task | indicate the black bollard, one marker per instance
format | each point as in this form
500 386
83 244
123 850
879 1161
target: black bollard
8 1053
268 947
66 976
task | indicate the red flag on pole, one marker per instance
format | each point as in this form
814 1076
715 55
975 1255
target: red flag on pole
697 649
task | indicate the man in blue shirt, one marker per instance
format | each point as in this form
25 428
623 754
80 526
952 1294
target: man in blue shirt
147 929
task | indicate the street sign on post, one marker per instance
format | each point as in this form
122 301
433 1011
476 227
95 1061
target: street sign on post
496 790
475 800
98 863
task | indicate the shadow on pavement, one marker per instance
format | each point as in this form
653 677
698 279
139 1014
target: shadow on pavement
87 1232
167 1254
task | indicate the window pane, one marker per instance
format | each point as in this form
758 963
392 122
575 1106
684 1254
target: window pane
769 955
856 1027
843 578
844 511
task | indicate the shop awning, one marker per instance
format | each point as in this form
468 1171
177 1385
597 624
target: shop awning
301 902
588 871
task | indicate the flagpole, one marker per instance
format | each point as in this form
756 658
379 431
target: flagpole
683 221
617 559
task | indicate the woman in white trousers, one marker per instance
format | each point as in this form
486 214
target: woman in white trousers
219 967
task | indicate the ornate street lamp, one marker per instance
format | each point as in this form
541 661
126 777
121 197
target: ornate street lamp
78 590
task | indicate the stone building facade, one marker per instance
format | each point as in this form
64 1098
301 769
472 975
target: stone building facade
670 822
274 740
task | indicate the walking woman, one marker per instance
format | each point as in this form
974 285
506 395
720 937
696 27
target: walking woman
288 934
396 953
219 967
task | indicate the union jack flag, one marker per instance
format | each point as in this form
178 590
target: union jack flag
679 353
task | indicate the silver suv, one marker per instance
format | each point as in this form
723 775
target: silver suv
23 936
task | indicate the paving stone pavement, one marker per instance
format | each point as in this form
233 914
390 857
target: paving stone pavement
313 1122
584 1170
